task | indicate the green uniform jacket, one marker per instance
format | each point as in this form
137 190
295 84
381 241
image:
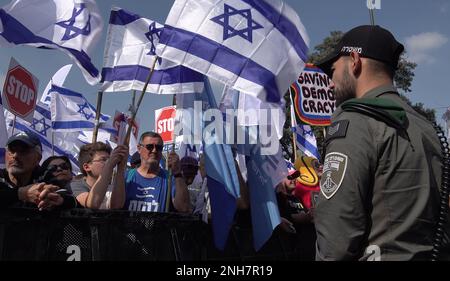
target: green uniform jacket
379 194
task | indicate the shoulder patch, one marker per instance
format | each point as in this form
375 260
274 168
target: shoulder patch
337 130
334 168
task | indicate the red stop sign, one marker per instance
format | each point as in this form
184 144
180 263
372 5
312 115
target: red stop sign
20 92
165 123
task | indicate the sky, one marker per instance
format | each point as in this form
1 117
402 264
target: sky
422 26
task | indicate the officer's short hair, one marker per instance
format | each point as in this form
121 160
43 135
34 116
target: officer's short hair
381 67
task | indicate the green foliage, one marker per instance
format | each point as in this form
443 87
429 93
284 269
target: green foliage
402 80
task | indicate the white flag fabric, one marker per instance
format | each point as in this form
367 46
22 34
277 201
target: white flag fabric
72 112
305 139
57 79
130 53
258 47
73 26
3 135
63 143
251 111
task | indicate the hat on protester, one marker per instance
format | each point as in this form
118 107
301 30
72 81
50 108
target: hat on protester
27 138
370 41
293 174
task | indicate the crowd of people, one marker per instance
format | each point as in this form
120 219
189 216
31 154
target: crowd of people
140 184
378 198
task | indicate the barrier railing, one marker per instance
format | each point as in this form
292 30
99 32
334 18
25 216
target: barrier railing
87 235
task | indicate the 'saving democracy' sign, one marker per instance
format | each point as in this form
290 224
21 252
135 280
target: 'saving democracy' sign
313 99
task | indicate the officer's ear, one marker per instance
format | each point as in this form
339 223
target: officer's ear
356 63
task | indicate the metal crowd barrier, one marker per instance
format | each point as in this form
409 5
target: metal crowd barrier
88 235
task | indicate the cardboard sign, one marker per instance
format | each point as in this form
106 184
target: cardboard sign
313 98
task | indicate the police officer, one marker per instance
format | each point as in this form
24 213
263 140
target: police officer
382 169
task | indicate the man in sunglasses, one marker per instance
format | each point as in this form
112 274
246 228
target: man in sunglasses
19 186
147 186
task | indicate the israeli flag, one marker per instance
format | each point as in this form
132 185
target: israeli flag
72 112
3 135
290 166
251 111
129 56
257 47
73 26
305 140
62 143
57 79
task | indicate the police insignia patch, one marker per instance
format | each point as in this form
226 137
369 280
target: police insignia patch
334 168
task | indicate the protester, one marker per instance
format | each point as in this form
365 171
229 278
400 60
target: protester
382 171
19 182
94 190
192 178
57 170
307 186
291 209
147 186
203 203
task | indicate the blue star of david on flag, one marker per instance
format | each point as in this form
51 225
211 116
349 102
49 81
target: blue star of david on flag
71 30
308 132
40 126
153 31
82 107
229 31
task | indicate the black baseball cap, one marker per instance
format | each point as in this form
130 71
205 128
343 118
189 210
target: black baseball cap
370 41
27 138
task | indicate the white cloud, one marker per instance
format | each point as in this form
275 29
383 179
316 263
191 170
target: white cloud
420 47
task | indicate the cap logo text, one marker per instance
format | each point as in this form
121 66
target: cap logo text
347 49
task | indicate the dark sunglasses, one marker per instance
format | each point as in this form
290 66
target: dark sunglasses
150 147
294 175
62 166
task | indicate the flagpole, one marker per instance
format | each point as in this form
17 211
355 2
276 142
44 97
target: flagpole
133 99
14 125
372 17
97 116
134 113
294 146
133 102
53 143
169 179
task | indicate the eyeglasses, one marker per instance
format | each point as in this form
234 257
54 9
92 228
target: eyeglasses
103 159
62 166
150 147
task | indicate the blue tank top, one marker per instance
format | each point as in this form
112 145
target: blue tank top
145 194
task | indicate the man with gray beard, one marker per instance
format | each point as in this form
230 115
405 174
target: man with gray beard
19 183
